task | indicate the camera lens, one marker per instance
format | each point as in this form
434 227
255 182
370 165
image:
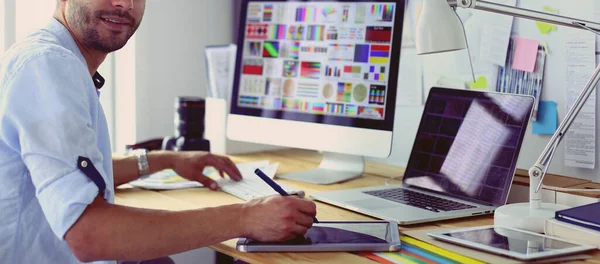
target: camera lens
192 130
189 117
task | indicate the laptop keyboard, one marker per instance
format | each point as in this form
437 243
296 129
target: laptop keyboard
417 199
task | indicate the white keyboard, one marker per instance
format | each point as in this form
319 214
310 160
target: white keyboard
252 186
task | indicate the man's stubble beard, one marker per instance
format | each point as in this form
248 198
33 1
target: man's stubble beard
86 21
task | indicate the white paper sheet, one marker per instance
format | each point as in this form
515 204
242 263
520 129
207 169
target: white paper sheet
598 36
496 35
220 61
597 18
580 139
169 180
165 180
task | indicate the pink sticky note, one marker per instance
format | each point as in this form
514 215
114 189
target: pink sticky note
525 54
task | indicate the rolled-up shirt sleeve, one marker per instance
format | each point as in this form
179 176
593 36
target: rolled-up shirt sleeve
48 112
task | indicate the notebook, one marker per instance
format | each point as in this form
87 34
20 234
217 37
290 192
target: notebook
587 216
572 232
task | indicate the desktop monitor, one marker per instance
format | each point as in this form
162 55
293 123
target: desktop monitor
318 75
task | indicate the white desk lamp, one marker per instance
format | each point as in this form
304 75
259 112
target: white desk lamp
439 29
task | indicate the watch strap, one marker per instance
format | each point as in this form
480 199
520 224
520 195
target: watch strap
142 162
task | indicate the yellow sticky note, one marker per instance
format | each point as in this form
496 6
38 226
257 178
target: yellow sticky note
480 84
546 28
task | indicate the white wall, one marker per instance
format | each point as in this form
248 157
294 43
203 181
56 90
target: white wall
32 15
169 58
2 18
125 100
8 18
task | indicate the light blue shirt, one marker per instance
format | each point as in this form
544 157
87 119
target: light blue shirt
50 114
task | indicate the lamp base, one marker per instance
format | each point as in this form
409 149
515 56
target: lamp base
519 215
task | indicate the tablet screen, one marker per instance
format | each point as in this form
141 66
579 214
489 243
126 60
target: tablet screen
339 233
511 240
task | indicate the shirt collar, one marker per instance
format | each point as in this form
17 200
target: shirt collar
66 39
64 36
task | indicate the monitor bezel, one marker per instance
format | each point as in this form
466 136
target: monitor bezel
387 124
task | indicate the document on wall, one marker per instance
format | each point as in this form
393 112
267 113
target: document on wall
220 63
597 18
496 35
580 139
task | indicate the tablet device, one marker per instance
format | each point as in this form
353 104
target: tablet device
514 243
334 236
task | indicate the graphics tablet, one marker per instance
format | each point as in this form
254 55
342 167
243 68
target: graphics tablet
334 236
514 243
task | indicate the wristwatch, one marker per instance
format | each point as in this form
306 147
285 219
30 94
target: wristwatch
142 162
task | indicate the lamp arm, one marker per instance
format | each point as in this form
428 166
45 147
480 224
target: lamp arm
538 170
524 13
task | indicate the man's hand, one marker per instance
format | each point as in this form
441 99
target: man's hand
277 218
191 164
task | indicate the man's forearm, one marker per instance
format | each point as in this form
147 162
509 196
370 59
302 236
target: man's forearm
125 169
112 232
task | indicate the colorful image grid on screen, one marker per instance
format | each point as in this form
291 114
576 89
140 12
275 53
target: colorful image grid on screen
325 58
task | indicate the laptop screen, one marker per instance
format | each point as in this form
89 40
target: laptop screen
468 143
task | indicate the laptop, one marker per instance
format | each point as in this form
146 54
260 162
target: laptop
462 162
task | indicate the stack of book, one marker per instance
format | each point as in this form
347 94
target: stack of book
579 224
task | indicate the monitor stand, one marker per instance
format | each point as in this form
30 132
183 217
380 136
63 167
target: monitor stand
334 168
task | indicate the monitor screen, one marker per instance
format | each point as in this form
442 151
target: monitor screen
329 62
468 143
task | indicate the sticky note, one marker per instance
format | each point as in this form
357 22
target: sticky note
547 118
525 54
544 27
479 84
550 9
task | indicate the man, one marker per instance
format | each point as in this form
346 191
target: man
56 172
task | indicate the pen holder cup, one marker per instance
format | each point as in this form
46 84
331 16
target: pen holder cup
216 125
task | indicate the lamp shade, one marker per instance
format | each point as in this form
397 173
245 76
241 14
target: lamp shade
438 29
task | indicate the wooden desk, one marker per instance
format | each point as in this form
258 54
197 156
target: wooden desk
290 161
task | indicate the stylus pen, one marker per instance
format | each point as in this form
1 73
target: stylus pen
275 186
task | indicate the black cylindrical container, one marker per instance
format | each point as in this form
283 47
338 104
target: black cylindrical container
189 116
